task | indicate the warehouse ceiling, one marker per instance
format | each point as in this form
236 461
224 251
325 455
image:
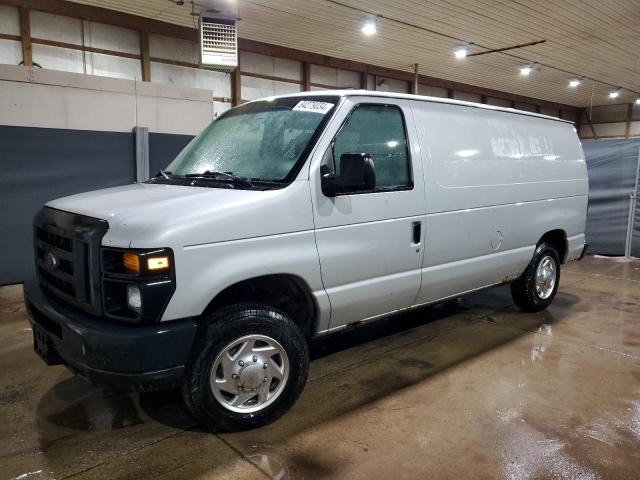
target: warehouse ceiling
599 39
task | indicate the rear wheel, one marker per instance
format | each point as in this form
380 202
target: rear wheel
248 366
537 286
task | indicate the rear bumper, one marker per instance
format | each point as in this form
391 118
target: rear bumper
576 248
128 357
584 251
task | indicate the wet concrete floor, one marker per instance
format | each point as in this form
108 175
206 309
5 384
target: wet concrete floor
467 389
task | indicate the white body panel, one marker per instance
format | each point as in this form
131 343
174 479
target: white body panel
495 184
369 264
487 184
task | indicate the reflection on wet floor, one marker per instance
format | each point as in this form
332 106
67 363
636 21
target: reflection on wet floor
470 388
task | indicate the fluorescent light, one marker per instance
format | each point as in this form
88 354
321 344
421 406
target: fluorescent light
638 101
461 51
614 93
370 27
526 69
574 82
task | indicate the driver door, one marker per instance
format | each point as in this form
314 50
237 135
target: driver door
370 242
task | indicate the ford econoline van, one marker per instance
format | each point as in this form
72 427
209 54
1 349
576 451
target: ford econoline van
291 217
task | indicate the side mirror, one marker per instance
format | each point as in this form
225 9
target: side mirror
357 174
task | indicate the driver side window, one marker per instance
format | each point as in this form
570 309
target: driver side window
379 131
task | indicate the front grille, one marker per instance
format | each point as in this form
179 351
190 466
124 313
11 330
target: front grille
58 273
67 256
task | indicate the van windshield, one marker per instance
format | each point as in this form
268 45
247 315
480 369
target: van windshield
265 141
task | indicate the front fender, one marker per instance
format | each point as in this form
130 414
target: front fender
203 271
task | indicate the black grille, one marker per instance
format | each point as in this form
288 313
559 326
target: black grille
67 256
55 240
54 258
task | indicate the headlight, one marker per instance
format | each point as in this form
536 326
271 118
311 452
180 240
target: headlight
144 263
137 284
156 264
150 262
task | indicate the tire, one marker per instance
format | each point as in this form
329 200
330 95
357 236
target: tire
524 290
207 383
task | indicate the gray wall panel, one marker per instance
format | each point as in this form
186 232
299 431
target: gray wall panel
635 242
163 148
612 168
40 164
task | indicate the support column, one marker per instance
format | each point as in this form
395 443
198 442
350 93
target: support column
142 153
236 94
364 78
306 76
25 34
633 197
627 127
145 59
415 79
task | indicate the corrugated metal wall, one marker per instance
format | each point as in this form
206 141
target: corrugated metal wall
612 166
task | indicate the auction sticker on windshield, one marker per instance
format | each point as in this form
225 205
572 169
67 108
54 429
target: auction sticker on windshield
311 106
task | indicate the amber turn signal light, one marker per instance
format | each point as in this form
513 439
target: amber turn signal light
131 262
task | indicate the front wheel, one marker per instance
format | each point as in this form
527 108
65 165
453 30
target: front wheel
537 286
248 366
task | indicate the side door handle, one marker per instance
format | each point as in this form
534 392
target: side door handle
416 229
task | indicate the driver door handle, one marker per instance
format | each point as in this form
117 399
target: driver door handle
416 232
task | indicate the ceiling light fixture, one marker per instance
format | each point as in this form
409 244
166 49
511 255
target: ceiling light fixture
575 82
461 51
370 27
526 69
638 101
614 93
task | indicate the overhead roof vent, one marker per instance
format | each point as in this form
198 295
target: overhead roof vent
218 43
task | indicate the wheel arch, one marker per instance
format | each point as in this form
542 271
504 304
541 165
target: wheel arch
558 239
286 292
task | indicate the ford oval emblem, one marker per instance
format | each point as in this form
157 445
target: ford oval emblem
50 261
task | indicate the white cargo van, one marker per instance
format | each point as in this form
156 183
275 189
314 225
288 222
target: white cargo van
291 217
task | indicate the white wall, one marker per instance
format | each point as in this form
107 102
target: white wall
253 88
73 31
32 97
432 91
10 50
185 51
47 26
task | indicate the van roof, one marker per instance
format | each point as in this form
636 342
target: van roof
422 98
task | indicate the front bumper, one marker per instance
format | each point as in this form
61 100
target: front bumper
128 357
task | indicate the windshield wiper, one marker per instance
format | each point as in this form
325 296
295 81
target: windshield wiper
234 178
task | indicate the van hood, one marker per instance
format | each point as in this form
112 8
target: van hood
157 215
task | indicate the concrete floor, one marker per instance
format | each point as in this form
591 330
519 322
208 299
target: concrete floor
468 389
